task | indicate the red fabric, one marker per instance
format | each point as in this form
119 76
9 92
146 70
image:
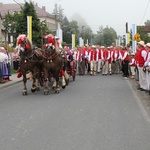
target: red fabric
134 64
105 54
110 59
44 46
127 57
114 55
140 60
27 46
99 53
50 40
19 75
62 73
93 55
19 41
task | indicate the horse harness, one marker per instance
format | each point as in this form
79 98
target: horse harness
50 56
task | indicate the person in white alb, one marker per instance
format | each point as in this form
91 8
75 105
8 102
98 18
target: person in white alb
147 66
93 58
141 58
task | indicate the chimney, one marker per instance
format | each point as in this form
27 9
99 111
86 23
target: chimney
44 8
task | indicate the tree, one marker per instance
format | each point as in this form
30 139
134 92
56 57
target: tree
74 29
58 12
107 36
147 23
144 36
66 28
28 10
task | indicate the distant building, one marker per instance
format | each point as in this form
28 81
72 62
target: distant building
52 23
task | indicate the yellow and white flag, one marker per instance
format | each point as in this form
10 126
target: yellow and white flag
29 27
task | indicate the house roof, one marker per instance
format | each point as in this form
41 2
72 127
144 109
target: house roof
41 12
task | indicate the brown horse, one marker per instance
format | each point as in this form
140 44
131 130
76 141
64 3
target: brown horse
52 64
30 60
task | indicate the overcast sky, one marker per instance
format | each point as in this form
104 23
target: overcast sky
114 13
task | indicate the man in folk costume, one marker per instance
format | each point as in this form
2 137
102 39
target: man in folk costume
99 65
81 56
105 58
130 51
120 58
147 66
142 55
136 60
125 62
87 65
88 48
116 56
110 60
93 58
132 65
15 59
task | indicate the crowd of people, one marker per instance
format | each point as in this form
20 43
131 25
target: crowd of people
7 60
96 59
115 60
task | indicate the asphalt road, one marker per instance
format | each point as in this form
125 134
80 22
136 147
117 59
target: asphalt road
92 113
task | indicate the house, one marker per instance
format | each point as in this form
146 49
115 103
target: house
52 23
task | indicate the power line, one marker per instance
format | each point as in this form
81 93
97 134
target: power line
17 3
145 11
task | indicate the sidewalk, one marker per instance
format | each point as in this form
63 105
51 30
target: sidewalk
14 79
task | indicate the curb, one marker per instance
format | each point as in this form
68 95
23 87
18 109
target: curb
10 84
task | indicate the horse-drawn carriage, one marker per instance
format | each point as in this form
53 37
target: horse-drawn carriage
43 63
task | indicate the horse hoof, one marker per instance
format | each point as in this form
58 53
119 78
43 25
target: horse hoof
38 89
24 93
57 92
45 93
33 90
64 87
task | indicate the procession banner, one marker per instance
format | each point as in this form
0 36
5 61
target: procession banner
80 41
29 27
59 34
73 40
134 31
